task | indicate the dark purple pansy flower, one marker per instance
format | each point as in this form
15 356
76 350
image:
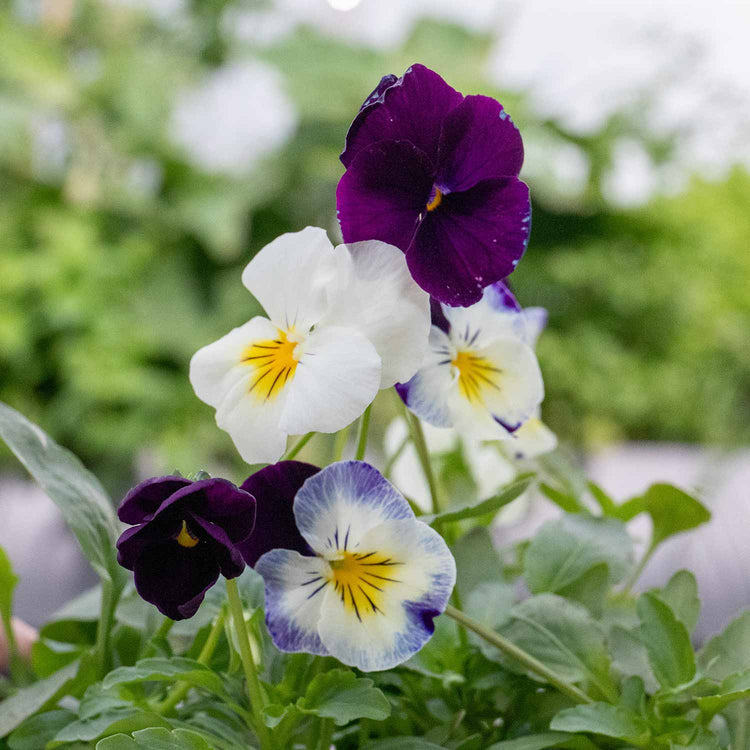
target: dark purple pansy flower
187 533
274 489
435 173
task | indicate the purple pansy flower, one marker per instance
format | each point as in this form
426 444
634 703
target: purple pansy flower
185 535
435 173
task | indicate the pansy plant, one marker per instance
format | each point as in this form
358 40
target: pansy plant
342 323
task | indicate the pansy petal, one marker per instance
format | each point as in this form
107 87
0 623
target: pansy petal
337 377
175 578
252 423
384 192
378 614
536 322
224 552
134 540
412 109
427 393
472 239
274 489
218 367
295 588
144 499
379 298
289 277
335 508
533 438
478 142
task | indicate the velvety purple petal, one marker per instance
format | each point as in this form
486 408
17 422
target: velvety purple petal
175 578
225 552
377 93
144 499
216 500
384 193
134 540
411 109
478 142
471 240
274 489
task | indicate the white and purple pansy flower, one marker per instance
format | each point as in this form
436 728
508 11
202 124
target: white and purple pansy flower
342 323
435 173
480 374
376 580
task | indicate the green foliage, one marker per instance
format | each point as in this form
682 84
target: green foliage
155 739
604 719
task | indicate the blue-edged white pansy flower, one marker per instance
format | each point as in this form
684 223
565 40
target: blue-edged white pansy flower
342 323
480 374
377 578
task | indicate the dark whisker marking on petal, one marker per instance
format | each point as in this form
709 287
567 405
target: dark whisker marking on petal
481 366
322 586
385 562
258 356
273 385
307 583
277 341
382 578
466 335
260 346
445 361
330 544
364 557
372 603
268 371
354 603
474 337
486 379
370 583
346 538
336 537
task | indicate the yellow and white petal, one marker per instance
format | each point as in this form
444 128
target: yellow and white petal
290 278
295 589
533 438
376 295
335 508
428 393
217 367
380 607
337 377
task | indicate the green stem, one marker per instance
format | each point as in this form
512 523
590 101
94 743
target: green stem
636 574
181 689
521 656
364 427
326 734
340 444
106 618
417 435
297 447
254 690
389 464
159 635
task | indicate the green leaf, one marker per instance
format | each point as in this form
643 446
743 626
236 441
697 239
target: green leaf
605 719
476 560
37 730
681 595
155 738
629 655
564 637
564 550
733 688
402 743
590 589
624 512
484 507
569 503
8 582
76 492
672 511
667 642
118 720
542 741
490 604
175 669
28 701
728 652
342 696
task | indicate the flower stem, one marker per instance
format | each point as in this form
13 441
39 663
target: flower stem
417 436
636 574
159 635
364 427
297 447
181 689
104 628
521 656
340 444
254 690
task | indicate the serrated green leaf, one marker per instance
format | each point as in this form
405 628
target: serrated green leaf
342 696
681 596
629 655
115 721
484 507
728 652
672 511
545 740
568 503
604 719
667 642
476 560
155 738
590 589
402 743
175 669
735 687
37 730
489 604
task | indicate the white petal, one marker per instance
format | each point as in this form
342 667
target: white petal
490 469
533 438
290 277
536 321
378 297
217 367
381 614
295 589
337 377
336 507
427 394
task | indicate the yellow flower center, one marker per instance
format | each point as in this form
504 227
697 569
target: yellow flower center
437 199
185 538
475 374
274 364
360 580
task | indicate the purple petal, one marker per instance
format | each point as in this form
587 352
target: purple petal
134 540
174 578
501 298
225 553
438 316
144 499
471 240
274 489
478 142
411 109
384 192
377 93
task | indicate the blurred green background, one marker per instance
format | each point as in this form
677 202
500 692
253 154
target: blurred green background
121 251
